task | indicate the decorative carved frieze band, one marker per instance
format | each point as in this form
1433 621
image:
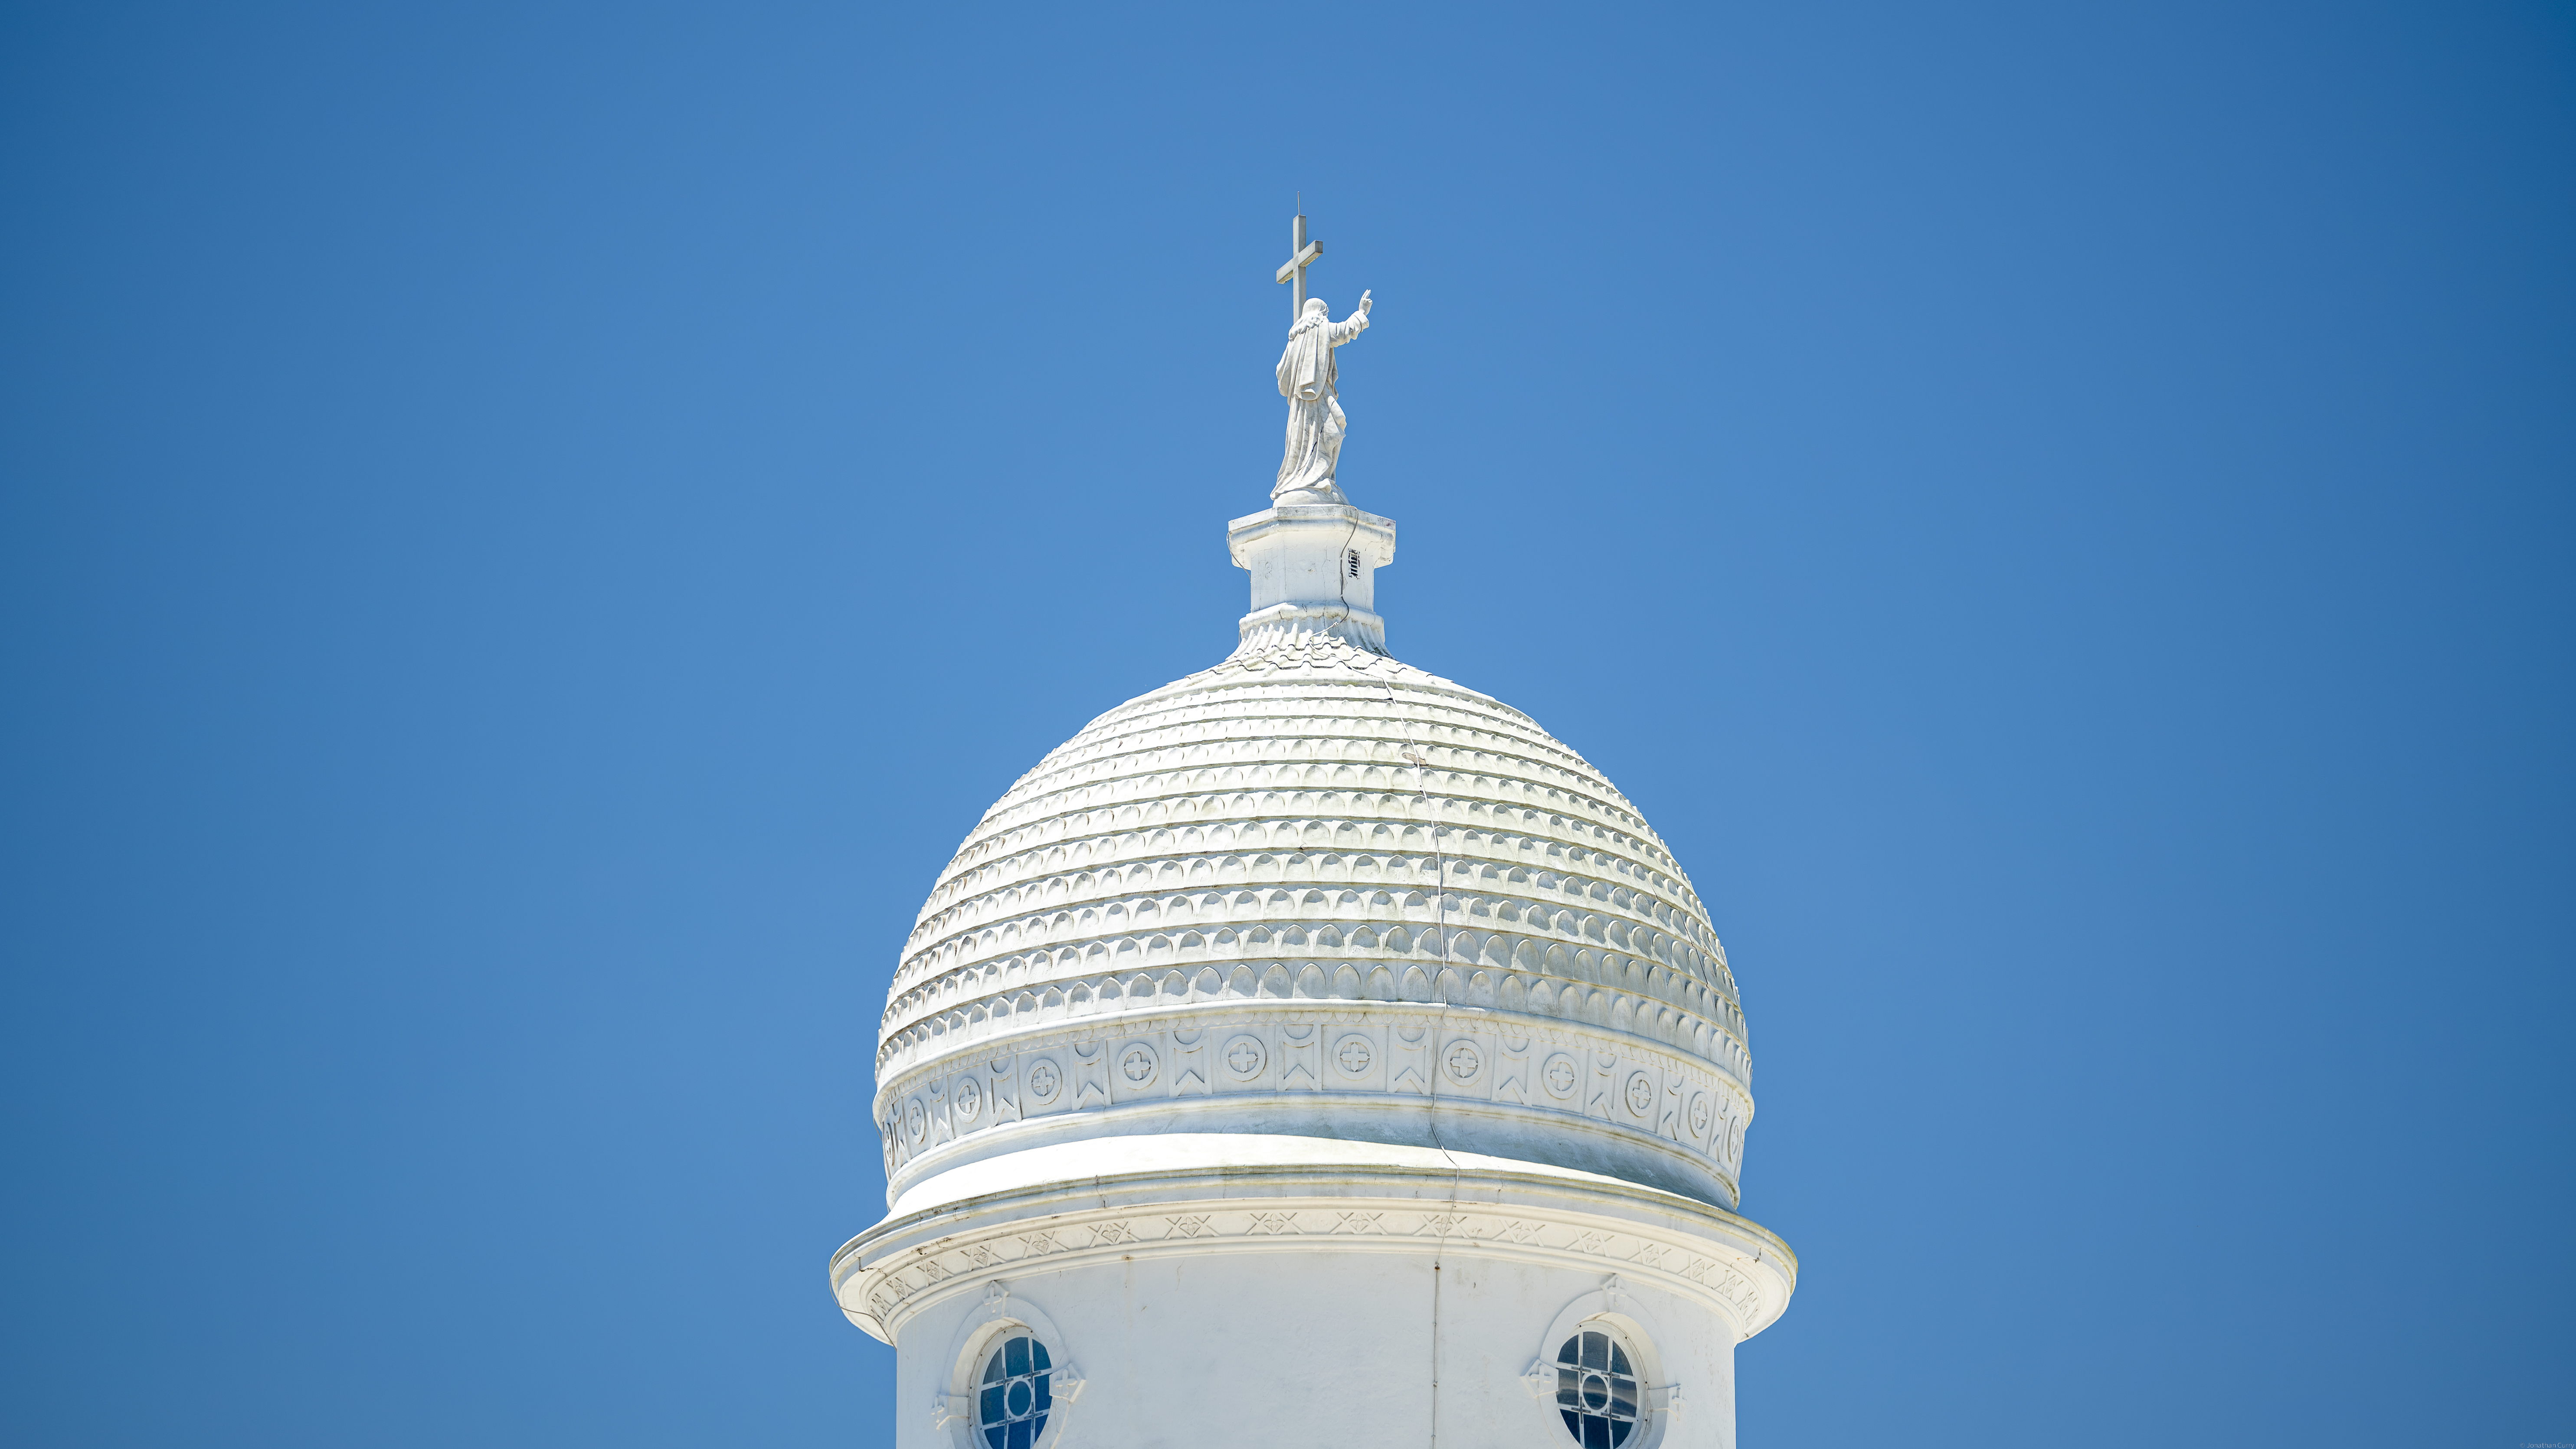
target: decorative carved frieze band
1580 1080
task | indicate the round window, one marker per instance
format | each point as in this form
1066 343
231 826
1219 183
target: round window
1596 1389
1012 1402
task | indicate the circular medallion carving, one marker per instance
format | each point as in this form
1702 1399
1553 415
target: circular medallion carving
1641 1094
1137 1063
1044 1079
1463 1061
1700 1114
915 1120
1558 1074
970 1098
1354 1054
1244 1056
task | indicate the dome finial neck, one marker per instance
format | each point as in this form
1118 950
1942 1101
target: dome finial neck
1314 570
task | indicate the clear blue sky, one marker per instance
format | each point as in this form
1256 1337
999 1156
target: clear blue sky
531 531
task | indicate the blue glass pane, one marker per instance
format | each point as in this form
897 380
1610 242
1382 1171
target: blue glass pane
1021 1399
1574 1425
1016 1354
1619 1433
1596 1350
993 1370
1038 1356
1020 1435
1623 1397
1619 1359
994 1435
1046 1397
1569 1388
1572 1352
992 1407
1037 1428
1596 1433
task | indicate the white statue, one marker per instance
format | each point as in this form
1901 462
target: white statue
1315 419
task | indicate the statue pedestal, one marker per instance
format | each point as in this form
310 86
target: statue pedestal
1308 497
1314 570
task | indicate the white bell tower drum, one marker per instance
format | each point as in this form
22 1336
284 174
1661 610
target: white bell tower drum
1313 1051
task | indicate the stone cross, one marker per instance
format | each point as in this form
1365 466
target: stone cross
1302 254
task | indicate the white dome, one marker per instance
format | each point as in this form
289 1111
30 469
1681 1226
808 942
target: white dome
1313 892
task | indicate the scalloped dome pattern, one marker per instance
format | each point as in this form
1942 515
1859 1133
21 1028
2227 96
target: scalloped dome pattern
1264 832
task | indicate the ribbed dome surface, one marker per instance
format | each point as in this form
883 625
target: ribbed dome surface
1318 891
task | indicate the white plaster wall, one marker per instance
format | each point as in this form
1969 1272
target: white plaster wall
1313 1348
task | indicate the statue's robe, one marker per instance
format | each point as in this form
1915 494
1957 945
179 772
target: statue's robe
1315 420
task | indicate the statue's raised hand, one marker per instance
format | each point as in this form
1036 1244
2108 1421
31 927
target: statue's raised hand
1364 301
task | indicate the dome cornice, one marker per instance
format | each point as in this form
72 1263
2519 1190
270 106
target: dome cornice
1114 1207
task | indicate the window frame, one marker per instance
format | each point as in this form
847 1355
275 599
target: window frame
1001 1315
997 1373
1623 1363
1613 1307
